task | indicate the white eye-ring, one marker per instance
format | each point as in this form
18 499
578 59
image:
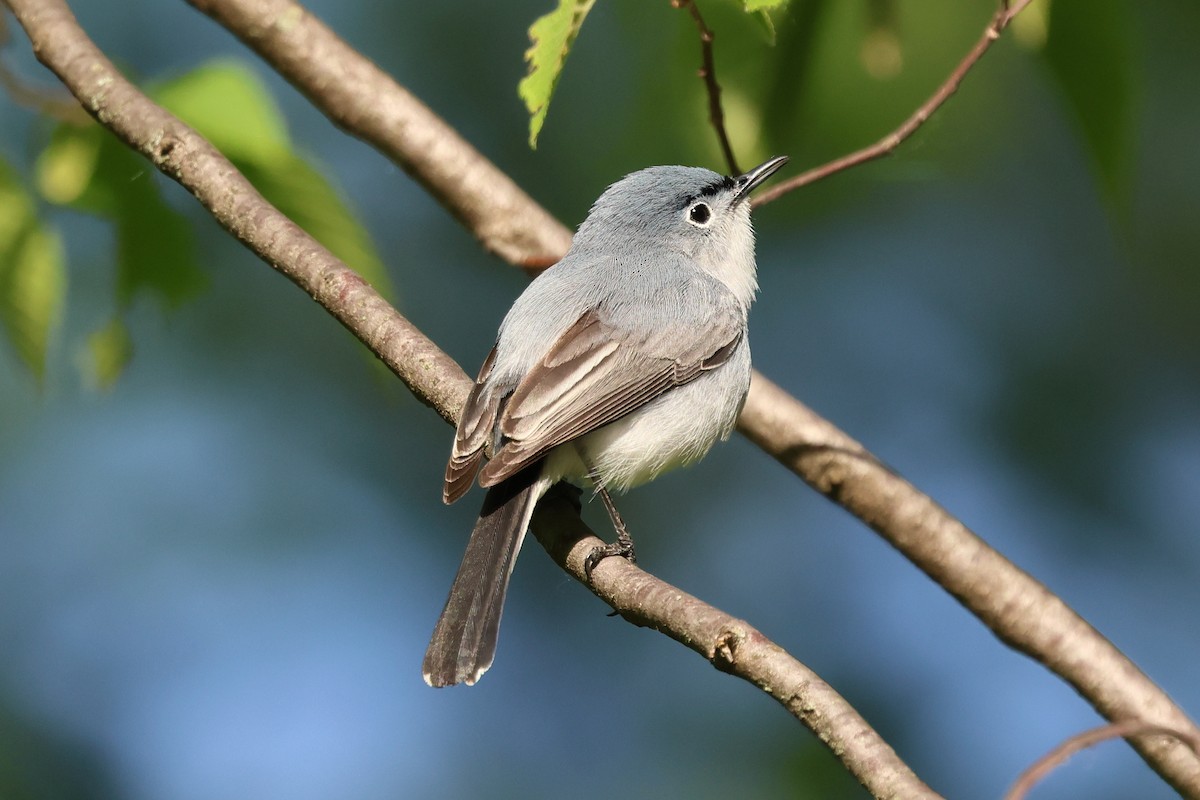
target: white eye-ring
700 215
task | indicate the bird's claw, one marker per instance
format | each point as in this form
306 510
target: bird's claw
622 547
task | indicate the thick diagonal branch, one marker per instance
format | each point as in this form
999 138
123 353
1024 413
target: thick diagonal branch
185 156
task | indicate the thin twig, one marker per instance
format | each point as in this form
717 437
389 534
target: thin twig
889 143
708 73
1126 728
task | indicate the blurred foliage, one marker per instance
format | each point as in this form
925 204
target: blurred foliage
33 280
1089 51
109 350
230 107
36 764
85 168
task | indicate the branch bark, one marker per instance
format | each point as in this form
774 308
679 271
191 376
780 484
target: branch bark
185 156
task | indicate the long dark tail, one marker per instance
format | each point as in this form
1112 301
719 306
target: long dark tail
464 639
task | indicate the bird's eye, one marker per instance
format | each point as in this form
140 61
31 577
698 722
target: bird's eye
700 214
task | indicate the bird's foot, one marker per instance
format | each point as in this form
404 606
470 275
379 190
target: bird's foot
622 547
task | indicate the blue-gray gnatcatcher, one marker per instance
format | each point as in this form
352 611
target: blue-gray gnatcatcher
627 358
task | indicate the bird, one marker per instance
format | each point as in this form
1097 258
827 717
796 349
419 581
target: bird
627 358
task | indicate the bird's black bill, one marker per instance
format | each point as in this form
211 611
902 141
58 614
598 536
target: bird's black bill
748 182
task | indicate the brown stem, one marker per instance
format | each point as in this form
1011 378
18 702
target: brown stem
1081 741
889 143
708 73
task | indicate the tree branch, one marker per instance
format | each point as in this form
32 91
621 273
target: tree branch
183 155
708 73
999 21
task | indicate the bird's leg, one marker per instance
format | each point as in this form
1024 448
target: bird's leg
623 546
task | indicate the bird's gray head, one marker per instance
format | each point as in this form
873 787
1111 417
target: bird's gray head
691 211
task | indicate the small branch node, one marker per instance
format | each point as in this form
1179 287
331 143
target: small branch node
724 655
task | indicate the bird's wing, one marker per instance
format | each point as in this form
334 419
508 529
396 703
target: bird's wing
476 427
593 375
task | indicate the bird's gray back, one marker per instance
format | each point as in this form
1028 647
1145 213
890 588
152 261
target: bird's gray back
636 295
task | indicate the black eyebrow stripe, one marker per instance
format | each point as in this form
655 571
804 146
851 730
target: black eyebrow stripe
723 184
712 189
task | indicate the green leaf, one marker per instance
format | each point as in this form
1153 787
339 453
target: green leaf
230 107
88 169
763 5
552 36
298 190
109 350
33 280
65 170
156 251
1090 52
